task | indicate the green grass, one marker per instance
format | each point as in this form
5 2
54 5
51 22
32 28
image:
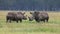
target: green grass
27 27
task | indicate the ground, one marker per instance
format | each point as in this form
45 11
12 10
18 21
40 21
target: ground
27 27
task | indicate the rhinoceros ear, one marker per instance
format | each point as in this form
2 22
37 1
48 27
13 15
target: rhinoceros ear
31 12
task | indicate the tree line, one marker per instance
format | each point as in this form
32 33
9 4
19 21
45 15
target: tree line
47 5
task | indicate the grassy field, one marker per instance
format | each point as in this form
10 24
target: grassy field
27 27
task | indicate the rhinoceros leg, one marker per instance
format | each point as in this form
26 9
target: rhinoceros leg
10 21
20 20
47 19
17 21
44 20
37 20
6 20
